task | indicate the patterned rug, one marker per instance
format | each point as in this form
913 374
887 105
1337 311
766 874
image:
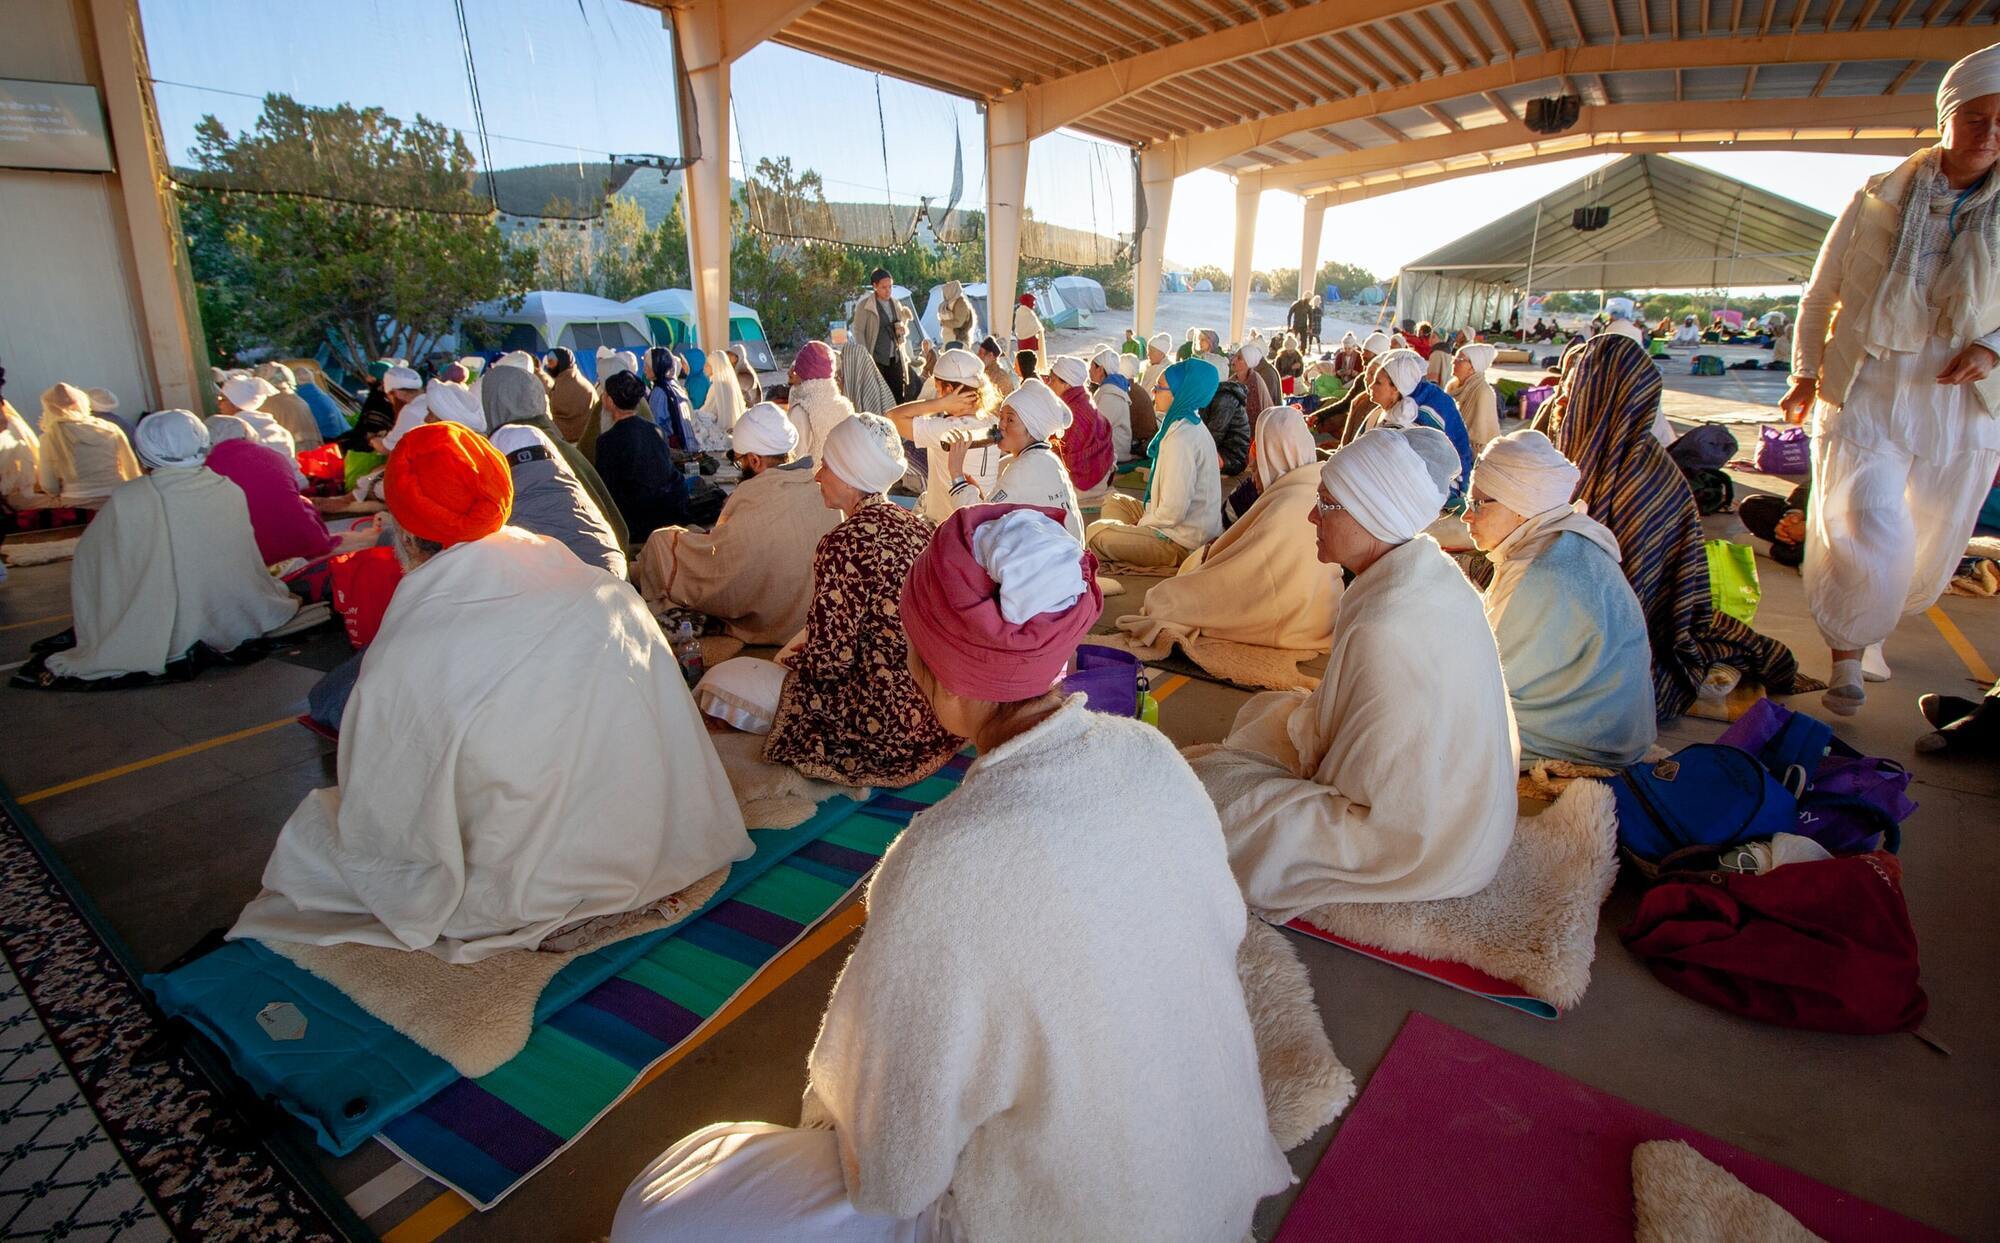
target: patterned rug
108 1131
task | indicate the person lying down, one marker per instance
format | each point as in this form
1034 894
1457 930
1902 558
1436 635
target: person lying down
1041 1034
519 754
1393 781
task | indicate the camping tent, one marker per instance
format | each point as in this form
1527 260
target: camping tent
581 322
1054 310
976 294
1173 282
1083 292
1204 286
670 321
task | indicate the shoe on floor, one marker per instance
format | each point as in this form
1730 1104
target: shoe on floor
1874 666
1942 710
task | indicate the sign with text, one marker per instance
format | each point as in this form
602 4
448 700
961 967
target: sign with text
53 125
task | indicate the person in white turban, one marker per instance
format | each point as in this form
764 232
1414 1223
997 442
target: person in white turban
1902 384
1159 356
170 565
1393 781
1030 473
1244 368
963 405
846 709
1622 314
754 571
82 459
243 395
1405 397
1343 417
1111 392
286 406
20 458
1478 405
1572 638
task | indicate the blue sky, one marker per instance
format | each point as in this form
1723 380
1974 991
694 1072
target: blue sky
565 80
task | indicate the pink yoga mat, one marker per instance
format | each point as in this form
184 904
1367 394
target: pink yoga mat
1456 1139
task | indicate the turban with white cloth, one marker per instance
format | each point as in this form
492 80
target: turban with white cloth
1107 358
1251 353
247 392
611 362
1478 356
392 379
171 438
958 365
1620 308
1976 75
1525 472
455 403
1377 343
1405 369
1033 562
1283 444
412 416
1070 370
865 452
518 358
1040 410
1387 483
223 428
1160 341
764 430
1128 366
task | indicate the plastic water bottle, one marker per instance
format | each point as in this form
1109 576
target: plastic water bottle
687 651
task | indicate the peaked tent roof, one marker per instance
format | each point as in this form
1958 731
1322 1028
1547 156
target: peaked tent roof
1673 225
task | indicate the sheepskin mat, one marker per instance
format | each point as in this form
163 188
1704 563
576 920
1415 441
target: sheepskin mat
1125 569
1239 664
1457 1139
716 648
1305 1086
1534 927
43 552
772 796
1680 1196
477 1015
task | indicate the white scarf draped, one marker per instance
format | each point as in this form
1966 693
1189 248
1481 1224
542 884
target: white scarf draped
1902 317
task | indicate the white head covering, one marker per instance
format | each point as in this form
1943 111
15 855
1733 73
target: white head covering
455 403
1283 444
512 437
1070 369
1041 411
958 366
1128 366
519 358
1976 75
1405 369
1346 340
1107 358
865 452
1251 352
1160 341
1385 483
1525 472
473 364
247 392
1620 308
610 362
1032 560
171 438
392 379
413 414
1479 356
765 429
1376 343
278 374
1440 458
102 401
223 428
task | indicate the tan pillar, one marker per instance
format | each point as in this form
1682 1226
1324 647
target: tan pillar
1315 220
1249 192
700 38
1156 182
1006 187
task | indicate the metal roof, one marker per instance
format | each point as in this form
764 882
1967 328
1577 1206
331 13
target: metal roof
1673 225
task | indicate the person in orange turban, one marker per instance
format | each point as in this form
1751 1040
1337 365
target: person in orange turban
445 484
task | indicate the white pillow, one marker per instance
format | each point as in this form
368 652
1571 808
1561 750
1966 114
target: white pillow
742 691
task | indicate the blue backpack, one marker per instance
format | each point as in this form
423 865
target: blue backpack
1683 811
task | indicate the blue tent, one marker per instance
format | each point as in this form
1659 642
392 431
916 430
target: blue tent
1333 293
1173 282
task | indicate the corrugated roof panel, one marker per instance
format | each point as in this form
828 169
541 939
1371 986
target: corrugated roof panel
1785 81
1651 87
1712 83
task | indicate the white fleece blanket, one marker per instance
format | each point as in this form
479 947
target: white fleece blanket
1394 780
519 753
169 561
1044 1014
1680 1196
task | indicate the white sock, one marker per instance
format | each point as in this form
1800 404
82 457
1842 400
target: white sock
1846 676
1874 665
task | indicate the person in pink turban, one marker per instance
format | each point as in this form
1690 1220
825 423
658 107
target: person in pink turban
816 405
1074 885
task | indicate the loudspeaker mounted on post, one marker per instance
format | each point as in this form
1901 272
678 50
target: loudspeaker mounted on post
1553 115
1589 219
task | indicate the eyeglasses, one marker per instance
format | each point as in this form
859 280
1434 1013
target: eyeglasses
1473 504
1327 507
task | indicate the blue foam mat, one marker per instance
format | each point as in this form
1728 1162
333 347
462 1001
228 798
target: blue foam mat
348 1074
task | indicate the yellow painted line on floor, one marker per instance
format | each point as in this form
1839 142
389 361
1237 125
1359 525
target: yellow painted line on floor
1960 644
441 1214
168 757
1169 686
430 1221
35 621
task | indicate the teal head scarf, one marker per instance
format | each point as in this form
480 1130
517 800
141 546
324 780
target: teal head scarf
1193 383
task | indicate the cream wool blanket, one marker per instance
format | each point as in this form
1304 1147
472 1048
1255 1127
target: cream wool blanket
753 572
520 753
1044 1015
1680 1196
170 561
1394 780
1256 603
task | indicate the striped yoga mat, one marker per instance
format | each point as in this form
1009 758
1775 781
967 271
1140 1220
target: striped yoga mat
484 1137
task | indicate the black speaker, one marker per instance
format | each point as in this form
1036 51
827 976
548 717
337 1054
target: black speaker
1553 115
1589 219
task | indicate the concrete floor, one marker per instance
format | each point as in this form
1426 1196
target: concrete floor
173 850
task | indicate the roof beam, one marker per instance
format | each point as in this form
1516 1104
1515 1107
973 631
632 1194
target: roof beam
1395 135
1491 17
1707 122
1471 36
1449 45
1500 105
1946 44
1062 101
1442 117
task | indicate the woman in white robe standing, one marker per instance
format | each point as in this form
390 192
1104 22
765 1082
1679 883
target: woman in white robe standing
1042 1033
1393 781
1478 405
1898 365
171 561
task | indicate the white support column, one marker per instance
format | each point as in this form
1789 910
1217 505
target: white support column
706 197
1315 221
1249 192
1006 187
165 289
1156 181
